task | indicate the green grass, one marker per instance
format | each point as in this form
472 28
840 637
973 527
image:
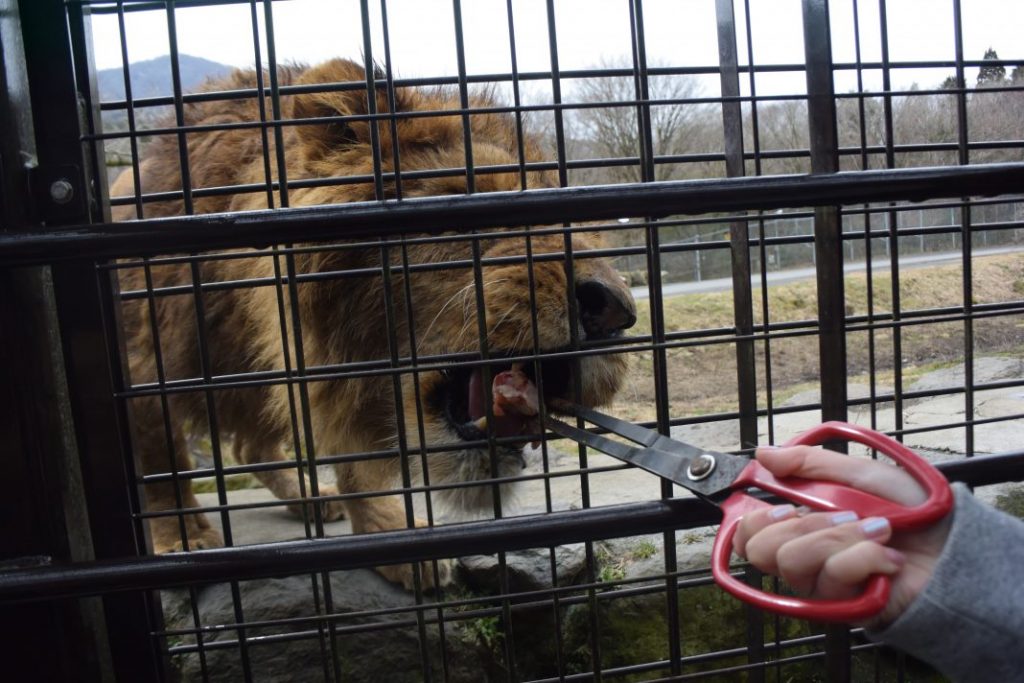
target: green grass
701 377
920 289
644 550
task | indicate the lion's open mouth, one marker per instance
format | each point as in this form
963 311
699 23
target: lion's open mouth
515 399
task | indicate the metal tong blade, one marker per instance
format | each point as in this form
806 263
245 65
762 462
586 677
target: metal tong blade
705 473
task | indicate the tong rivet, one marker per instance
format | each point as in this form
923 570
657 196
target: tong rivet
701 467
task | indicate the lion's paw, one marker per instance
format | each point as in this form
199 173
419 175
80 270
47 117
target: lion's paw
429 579
199 538
330 510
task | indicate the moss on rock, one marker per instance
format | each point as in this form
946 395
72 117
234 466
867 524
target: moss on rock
1012 501
633 629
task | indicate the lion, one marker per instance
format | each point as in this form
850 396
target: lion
338 318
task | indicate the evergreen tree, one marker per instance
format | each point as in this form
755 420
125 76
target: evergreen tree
949 83
991 75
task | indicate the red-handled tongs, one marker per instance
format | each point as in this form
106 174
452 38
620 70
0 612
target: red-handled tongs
723 479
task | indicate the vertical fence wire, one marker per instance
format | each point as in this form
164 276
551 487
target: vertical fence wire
486 371
966 239
261 103
743 311
868 216
868 219
660 358
829 261
305 448
201 321
892 223
391 322
169 438
133 141
594 616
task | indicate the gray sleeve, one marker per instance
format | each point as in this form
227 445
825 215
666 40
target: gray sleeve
968 622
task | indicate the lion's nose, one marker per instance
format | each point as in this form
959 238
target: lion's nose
605 309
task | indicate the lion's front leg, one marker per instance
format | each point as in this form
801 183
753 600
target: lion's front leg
285 483
390 511
387 513
182 530
175 533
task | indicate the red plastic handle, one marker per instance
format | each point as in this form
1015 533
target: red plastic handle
829 496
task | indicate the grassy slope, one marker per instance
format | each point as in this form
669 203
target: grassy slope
703 378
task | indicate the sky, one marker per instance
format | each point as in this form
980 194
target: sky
678 33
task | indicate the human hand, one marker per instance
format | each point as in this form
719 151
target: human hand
829 555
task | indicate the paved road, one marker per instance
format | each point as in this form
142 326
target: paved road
795 274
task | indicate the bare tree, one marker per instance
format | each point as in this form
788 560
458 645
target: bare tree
610 128
925 120
782 128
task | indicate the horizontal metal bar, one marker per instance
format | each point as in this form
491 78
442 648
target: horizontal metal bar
985 470
350 552
367 550
538 207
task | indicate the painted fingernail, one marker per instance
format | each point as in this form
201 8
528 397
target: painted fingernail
844 517
895 556
873 527
780 512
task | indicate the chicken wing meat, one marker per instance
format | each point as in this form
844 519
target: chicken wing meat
515 404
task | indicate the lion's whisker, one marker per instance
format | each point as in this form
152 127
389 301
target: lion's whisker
444 307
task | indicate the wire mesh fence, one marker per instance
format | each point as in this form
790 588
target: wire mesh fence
312 281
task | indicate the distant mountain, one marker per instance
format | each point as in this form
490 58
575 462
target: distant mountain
152 78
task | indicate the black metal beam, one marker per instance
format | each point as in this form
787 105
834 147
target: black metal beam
828 251
63 194
350 552
743 299
367 550
537 207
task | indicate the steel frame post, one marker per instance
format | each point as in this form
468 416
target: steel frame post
828 250
85 306
743 303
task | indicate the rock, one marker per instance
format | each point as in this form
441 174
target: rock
632 621
528 570
938 444
1011 501
719 436
388 651
853 391
986 369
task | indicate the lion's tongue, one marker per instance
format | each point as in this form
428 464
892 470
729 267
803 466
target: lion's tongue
476 396
508 419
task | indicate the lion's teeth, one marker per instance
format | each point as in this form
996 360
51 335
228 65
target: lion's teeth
481 423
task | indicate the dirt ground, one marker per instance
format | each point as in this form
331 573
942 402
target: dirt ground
702 378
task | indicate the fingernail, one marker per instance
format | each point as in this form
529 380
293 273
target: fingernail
873 527
844 517
803 510
895 556
780 512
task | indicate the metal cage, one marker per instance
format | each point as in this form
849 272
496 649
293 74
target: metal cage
776 281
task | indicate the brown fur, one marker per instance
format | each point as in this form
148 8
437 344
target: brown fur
342 320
